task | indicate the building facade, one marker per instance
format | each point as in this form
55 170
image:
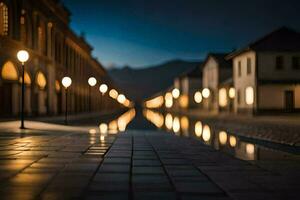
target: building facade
42 28
267 74
215 71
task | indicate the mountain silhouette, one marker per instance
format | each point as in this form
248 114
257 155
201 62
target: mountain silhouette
142 83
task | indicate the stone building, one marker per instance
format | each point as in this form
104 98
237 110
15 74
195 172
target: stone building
42 28
266 74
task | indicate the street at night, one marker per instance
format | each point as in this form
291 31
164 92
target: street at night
149 100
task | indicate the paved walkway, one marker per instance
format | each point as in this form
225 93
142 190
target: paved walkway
134 165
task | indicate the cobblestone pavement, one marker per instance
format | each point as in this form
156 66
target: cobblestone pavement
134 165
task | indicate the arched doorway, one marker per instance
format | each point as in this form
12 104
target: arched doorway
9 100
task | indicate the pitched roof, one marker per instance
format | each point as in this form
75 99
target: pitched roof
196 72
220 58
283 39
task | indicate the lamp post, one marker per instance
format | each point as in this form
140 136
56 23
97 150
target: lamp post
92 82
23 57
66 82
103 89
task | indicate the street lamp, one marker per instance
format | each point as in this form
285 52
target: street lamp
103 88
175 93
205 93
66 82
23 57
92 82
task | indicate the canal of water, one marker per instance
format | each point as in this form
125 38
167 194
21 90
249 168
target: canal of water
183 126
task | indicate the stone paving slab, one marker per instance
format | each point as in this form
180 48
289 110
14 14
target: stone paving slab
135 165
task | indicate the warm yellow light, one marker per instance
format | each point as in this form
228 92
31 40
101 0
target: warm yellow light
92 131
223 137
176 125
198 129
250 148
127 103
249 95
222 97
206 133
9 71
155 102
102 138
57 85
113 126
113 93
169 121
23 56
156 118
184 101
121 98
168 100
184 123
66 81
103 88
231 93
103 128
205 93
92 81
175 93
232 141
41 80
198 97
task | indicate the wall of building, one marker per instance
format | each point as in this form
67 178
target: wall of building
277 94
243 81
210 80
267 66
42 28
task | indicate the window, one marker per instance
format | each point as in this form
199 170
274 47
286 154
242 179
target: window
296 62
239 68
3 19
249 92
23 35
248 65
239 96
279 62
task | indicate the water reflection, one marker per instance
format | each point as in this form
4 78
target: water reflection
116 125
209 135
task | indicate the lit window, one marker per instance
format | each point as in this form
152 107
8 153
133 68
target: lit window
231 93
9 72
184 101
222 97
3 19
41 80
249 95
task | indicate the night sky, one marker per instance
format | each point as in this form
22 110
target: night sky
145 32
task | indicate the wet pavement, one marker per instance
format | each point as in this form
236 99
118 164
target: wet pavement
141 162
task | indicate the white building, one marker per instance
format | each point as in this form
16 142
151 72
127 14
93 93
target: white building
266 74
215 71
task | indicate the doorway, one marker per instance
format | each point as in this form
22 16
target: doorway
289 100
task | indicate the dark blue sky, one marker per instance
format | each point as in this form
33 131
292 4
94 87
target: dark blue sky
145 32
